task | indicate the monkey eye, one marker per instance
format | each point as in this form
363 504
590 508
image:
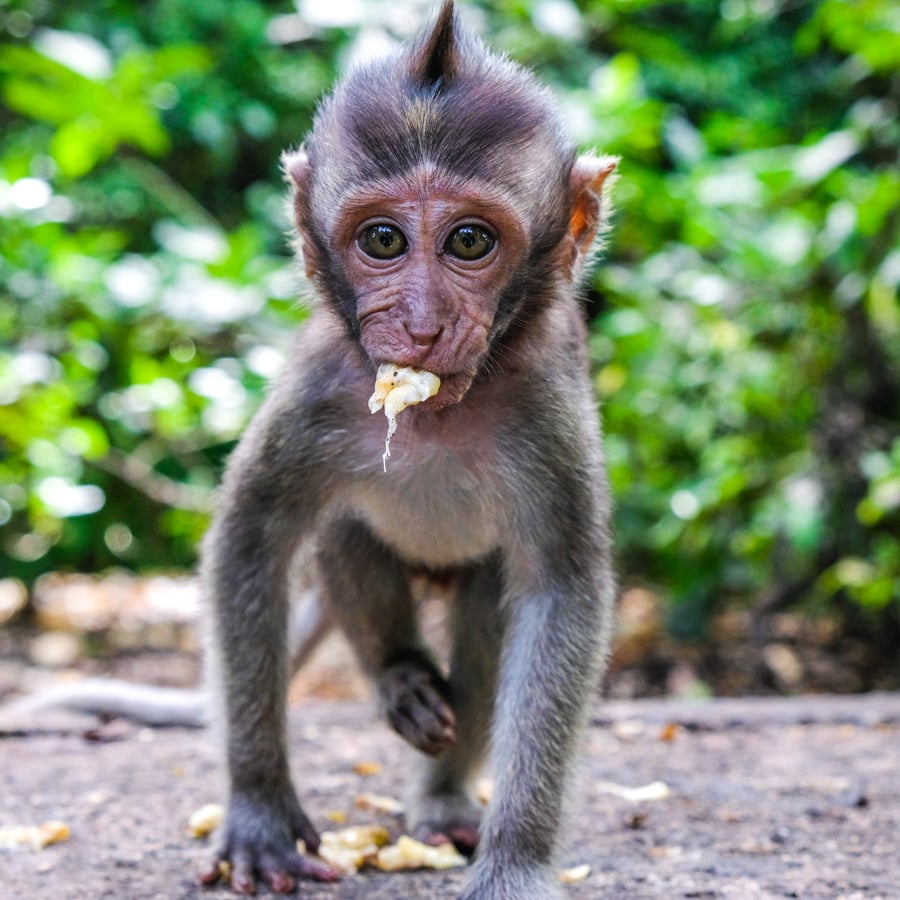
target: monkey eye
469 242
382 242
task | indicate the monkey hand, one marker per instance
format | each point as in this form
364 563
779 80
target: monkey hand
258 839
414 697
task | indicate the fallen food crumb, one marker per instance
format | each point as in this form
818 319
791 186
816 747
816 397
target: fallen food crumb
33 837
378 803
484 790
575 875
349 849
656 790
408 853
670 731
205 820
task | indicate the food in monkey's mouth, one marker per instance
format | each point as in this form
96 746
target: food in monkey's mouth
397 387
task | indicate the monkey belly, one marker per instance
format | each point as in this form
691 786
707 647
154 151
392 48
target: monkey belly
436 518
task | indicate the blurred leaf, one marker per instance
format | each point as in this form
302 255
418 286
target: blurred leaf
746 324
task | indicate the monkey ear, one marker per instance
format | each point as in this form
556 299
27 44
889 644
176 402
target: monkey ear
295 165
436 58
587 179
298 172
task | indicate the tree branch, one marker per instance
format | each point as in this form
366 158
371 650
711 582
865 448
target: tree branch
160 488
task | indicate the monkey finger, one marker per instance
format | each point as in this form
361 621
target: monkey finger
275 877
433 700
422 732
404 724
281 872
306 867
242 880
433 715
212 873
220 868
305 830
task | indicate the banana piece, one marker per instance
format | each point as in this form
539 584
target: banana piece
397 387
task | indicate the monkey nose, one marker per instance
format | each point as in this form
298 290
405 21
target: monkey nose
423 334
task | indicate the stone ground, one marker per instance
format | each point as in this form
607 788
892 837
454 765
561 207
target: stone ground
766 798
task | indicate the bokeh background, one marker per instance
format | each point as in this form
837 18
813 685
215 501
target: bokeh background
745 323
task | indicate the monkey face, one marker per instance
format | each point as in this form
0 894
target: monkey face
427 258
439 202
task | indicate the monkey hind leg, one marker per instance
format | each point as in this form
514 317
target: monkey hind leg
441 801
309 619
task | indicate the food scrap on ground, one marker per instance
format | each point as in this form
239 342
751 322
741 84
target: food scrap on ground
656 790
409 853
575 875
349 849
353 848
378 803
205 820
33 837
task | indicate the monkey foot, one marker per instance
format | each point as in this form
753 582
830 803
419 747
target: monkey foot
259 842
463 835
280 872
449 817
415 699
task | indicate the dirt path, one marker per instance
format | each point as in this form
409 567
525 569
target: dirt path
784 798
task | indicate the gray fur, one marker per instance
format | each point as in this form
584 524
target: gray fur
502 492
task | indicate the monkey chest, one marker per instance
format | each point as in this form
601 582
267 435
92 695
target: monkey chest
438 513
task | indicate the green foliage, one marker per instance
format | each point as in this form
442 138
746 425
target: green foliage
748 349
745 323
119 110
146 295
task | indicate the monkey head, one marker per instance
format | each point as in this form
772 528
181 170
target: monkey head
438 201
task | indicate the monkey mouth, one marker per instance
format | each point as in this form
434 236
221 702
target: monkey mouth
454 385
453 388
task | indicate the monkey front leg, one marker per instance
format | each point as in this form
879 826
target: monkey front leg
548 672
246 554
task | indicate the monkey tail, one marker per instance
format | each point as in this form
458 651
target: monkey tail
146 704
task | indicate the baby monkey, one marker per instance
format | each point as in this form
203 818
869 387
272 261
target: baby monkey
444 222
